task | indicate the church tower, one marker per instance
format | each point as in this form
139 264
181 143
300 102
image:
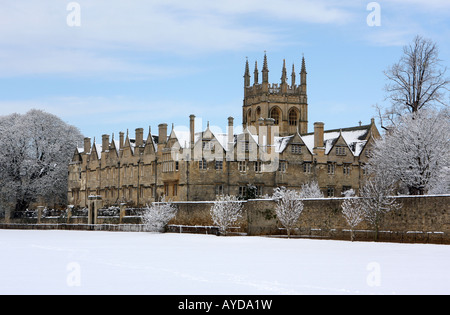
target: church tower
286 105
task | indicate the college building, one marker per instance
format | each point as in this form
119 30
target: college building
274 149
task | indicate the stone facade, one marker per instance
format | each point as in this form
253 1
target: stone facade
274 149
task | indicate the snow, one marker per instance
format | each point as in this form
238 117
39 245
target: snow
88 262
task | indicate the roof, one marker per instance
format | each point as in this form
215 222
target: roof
354 137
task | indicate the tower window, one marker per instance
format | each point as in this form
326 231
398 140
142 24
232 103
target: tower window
293 117
275 114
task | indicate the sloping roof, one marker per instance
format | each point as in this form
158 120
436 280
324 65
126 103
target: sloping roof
355 137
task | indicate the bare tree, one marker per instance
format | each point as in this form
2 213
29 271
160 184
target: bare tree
354 214
226 211
288 209
417 81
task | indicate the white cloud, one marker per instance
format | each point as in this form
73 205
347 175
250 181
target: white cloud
35 38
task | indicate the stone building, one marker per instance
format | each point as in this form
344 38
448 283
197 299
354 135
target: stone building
274 149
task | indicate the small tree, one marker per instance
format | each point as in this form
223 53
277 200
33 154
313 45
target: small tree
156 217
377 199
225 212
354 214
311 190
288 209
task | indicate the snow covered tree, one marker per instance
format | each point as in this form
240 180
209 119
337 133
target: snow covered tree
225 212
288 209
158 215
377 198
354 214
36 149
415 153
311 190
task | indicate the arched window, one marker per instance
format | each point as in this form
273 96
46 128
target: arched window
275 114
293 117
258 113
249 116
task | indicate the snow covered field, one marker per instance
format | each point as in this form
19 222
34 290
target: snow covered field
82 262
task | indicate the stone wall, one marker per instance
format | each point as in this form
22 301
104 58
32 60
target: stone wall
421 219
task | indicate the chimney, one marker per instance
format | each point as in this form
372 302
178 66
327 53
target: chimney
192 130
121 134
139 137
162 133
230 133
318 135
105 142
87 145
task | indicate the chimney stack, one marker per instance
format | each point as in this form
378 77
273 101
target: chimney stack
105 143
162 133
139 137
318 135
87 145
192 130
230 133
121 134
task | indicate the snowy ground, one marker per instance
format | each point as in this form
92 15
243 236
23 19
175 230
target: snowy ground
82 262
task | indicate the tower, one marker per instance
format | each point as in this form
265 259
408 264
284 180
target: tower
285 103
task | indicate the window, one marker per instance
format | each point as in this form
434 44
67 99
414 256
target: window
275 114
219 190
340 151
259 190
177 165
208 145
307 167
296 149
175 189
330 168
330 192
245 146
282 166
219 165
168 163
242 191
242 166
346 168
293 117
257 166
166 190
202 164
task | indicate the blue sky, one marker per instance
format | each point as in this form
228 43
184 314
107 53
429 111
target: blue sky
136 63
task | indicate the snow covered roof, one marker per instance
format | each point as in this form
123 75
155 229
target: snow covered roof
355 137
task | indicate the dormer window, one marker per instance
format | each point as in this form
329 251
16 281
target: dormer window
340 151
